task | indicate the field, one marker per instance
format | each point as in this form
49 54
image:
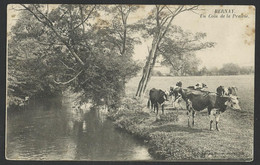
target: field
174 140
245 85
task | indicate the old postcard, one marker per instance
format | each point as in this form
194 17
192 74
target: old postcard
130 82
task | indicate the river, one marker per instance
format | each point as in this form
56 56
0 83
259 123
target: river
47 130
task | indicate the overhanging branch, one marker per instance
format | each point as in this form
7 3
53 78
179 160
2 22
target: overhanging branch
64 83
48 23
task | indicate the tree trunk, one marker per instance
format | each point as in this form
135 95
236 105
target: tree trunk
145 68
138 93
149 73
148 68
160 33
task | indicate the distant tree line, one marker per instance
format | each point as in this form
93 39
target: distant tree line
226 69
191 69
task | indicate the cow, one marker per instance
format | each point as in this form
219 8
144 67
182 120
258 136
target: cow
175 93
156 97
227 91
232 91
214 103
222 91
199 86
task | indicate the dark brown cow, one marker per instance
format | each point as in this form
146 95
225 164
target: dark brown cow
156 97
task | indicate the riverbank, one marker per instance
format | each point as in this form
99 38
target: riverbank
169 138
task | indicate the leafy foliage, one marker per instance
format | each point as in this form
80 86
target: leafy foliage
178 49
70 46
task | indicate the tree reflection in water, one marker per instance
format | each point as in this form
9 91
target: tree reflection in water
50 131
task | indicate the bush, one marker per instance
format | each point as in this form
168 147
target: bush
129 107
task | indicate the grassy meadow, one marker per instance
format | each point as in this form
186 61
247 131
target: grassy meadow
244 83
169 138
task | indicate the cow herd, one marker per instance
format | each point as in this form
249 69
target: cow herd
197 98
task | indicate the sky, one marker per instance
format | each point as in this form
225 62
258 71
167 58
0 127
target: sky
234 37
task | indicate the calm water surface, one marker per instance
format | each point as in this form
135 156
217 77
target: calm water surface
47 130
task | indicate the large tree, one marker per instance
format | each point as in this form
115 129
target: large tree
66 42
120 35
157 25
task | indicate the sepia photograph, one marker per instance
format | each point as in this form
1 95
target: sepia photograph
121 82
